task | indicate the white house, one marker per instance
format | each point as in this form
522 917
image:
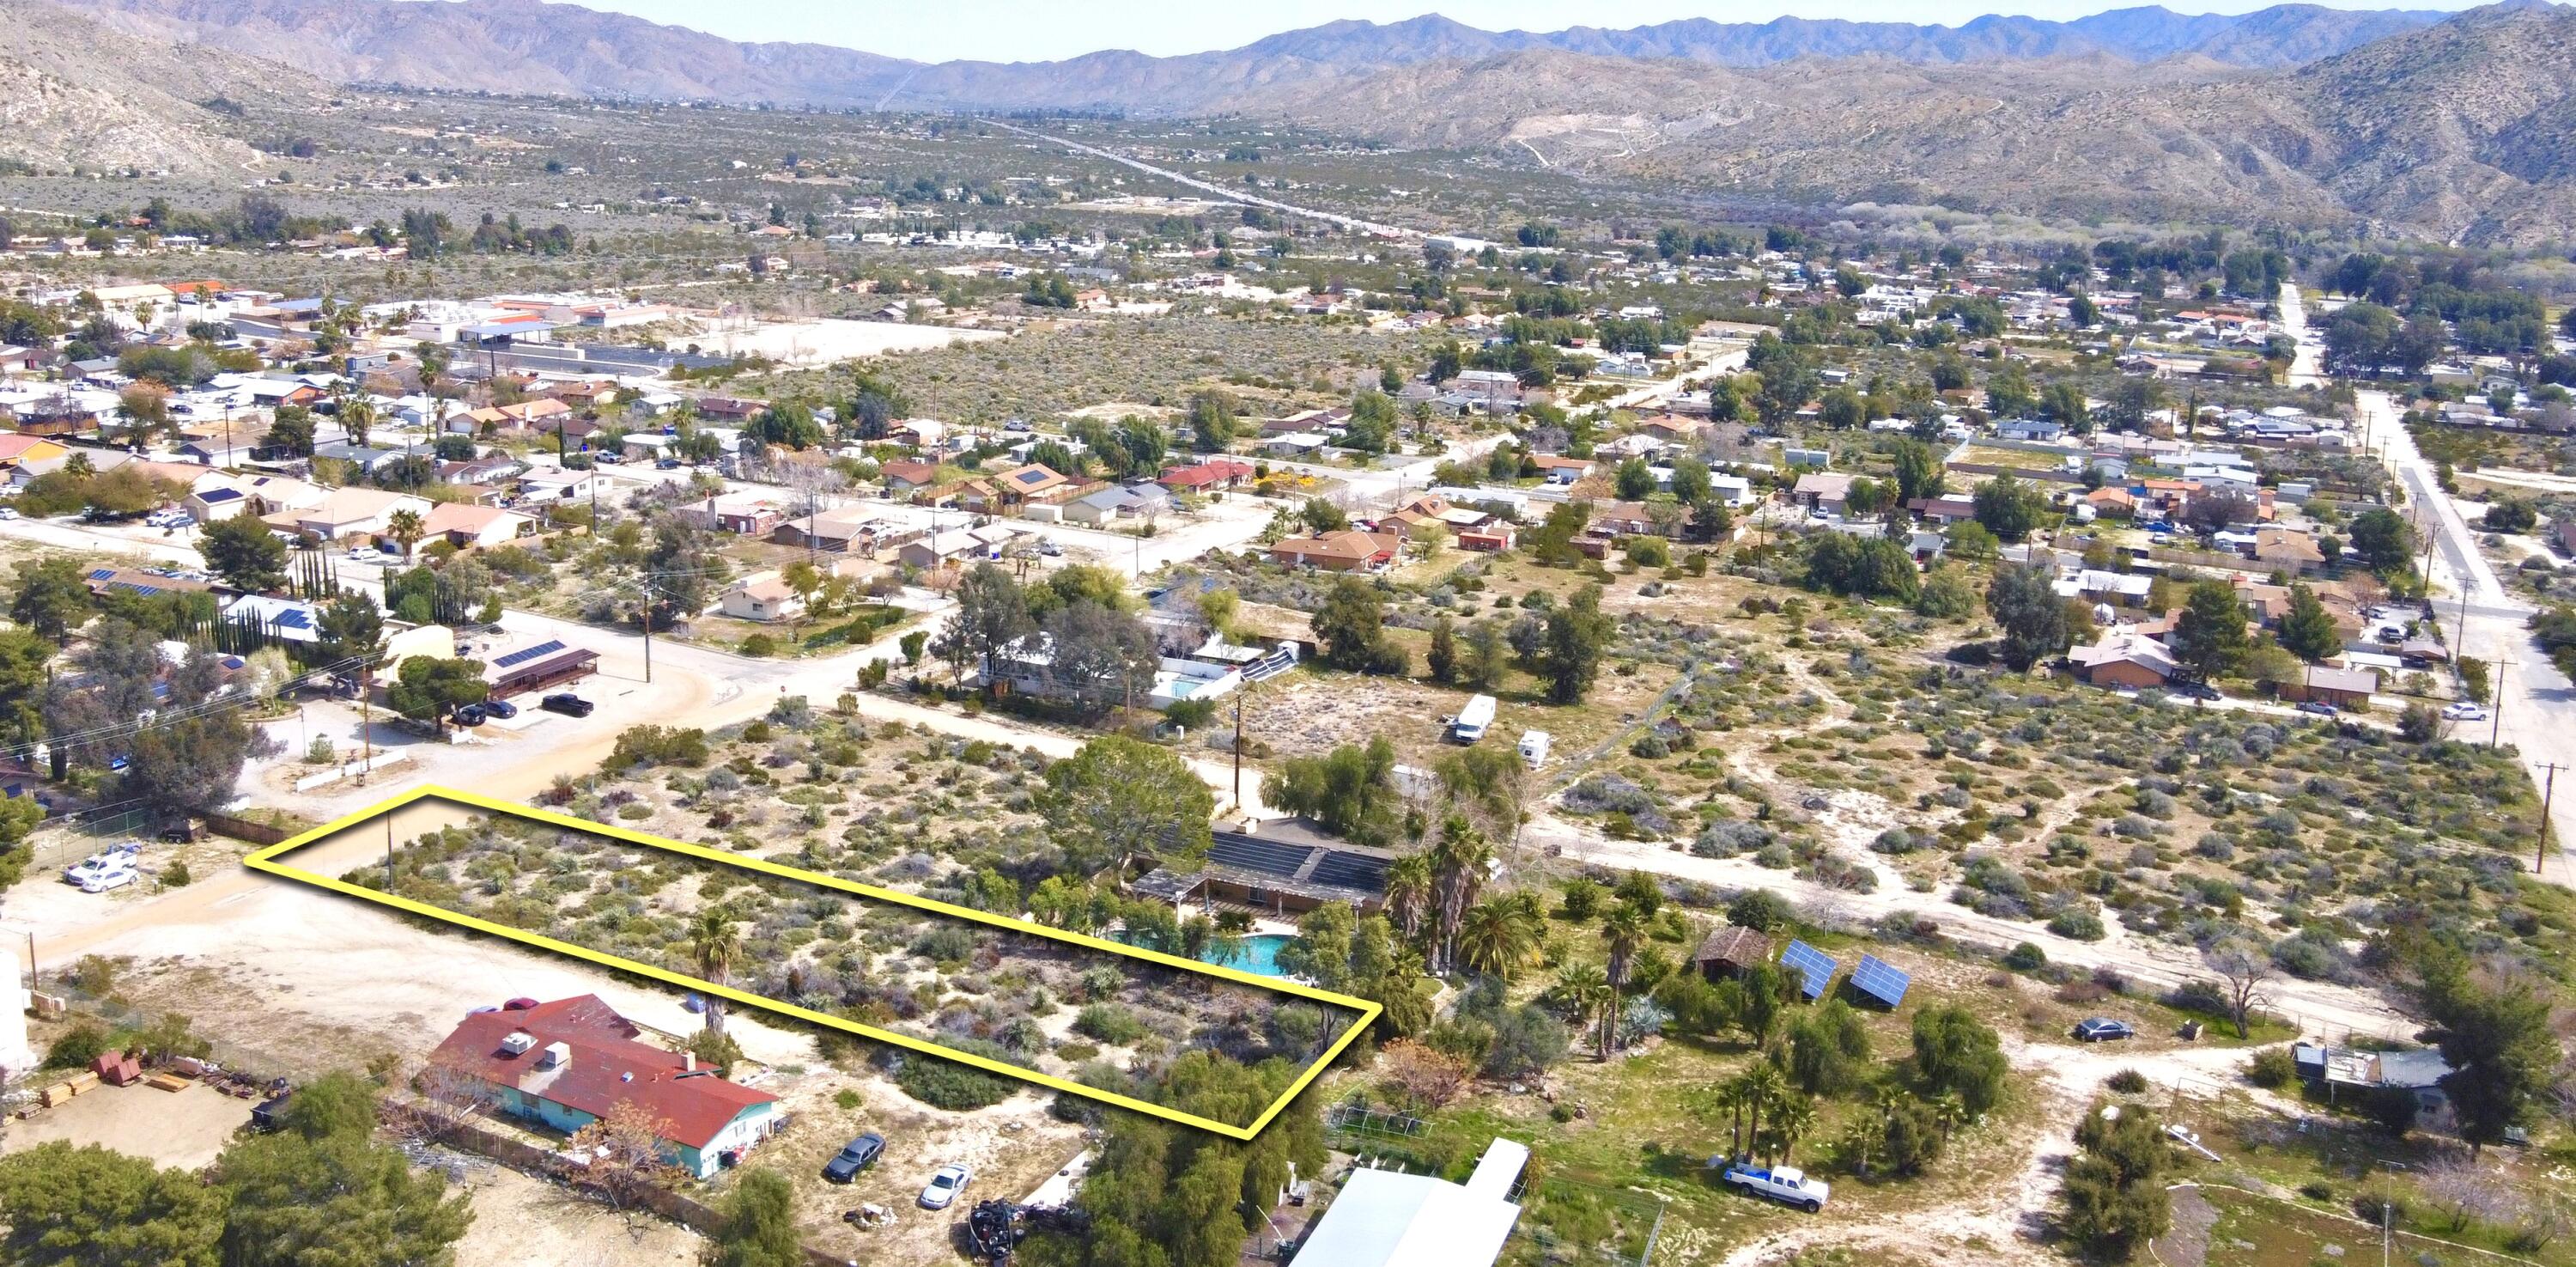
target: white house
1385 1218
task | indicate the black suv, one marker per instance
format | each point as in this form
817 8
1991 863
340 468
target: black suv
857 1155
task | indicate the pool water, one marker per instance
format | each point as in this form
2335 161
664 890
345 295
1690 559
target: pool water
1256 953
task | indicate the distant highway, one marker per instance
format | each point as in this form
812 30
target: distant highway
1229 194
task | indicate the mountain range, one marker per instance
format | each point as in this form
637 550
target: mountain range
521 46
2458 127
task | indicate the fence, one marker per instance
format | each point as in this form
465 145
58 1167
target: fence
245 829
1357 1120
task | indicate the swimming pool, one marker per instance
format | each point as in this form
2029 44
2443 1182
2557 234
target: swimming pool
1256 953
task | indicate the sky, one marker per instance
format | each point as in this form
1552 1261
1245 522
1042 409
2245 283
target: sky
1044 30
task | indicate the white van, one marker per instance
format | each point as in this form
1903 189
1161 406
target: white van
1534 744
1472 721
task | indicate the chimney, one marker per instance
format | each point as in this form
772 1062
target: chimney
688 1062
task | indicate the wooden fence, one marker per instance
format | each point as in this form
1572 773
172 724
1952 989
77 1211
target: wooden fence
245 829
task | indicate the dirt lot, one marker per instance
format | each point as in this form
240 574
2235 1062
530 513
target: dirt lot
185 1128
525 1222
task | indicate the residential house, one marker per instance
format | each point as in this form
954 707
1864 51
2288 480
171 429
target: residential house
1347 551
2284 549
762 597
218 501
143 581
2126 659
555 484
1207 476
2032 429
571 1062
1729 950
494 468
1113 504
536 665
1943 510
1389 1218
1827 491
740 514
1024 484
16 448
1558 469
285 619
467 525
2343 688
349 512
902 479
849 530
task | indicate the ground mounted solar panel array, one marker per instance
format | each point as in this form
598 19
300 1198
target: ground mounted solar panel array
1815 967
1880 980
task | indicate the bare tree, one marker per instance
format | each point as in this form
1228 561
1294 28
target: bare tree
2244 967
2538 1219
2458 1187
448 1099
625 1150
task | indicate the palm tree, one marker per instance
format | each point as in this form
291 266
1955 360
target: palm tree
1494 937
404 527
1586 989
357 414
1408 892
1763 1087
1793 1119
714 945
1626 930
1729 1099
1459 862
1950 1112
1860 1140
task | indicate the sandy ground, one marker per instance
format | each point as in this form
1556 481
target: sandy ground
805 344
185 1128
521 1221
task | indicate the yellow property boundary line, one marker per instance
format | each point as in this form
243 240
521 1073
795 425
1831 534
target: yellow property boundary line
267 860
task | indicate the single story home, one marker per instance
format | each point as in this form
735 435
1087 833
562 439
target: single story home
2343 688
571 1062
1207 476
1347 551
349 512
467 525
763 597
2124 659
1388 1218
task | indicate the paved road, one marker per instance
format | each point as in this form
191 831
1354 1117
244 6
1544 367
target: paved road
1227 192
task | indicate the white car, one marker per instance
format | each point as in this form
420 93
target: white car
112 878
2464 711
944 1186
366 554
8 512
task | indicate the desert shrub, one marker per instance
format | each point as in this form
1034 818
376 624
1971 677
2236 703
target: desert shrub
2272 1067
946 1084
1110 1024
2127 1082
2026 957
2077 925
77 1047
1727 837
944 945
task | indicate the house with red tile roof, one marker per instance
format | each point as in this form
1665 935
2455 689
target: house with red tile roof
1211 474
571 1062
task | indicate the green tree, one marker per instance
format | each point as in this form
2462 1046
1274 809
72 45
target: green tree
2210 637
298 1202
1828 1049
2381 540
1578 633
2115 1192
430 689
291 431
2009 508
2024 602
1918 470
1442 659
89 1207
2308 629
52 598
2495 1034
337 1104
1117 797
1352 629
1634 480
992 615
243 551
350 628
1350 790
758 1227
1212 422
1954 1052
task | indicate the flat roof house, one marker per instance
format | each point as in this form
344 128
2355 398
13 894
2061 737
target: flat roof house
571 1062
1385 1218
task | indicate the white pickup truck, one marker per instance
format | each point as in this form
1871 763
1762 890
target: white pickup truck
1784 1184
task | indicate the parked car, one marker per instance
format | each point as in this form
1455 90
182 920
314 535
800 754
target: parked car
471 715
944 1186
112 878
2464 711
1785 1184
2194 690
1050 549
2318 708
8 512
568 704
2102 1029
855 1156
366 554
500 708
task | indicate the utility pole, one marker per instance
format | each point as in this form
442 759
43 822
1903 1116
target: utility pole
389 853
1238 750
2495 733
648 633
2548 789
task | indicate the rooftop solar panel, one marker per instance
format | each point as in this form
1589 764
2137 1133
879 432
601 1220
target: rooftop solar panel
1266 856
295 618
1877 979
1352 871
1815 968
525 654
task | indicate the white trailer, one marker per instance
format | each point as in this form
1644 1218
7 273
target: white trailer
1472 721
